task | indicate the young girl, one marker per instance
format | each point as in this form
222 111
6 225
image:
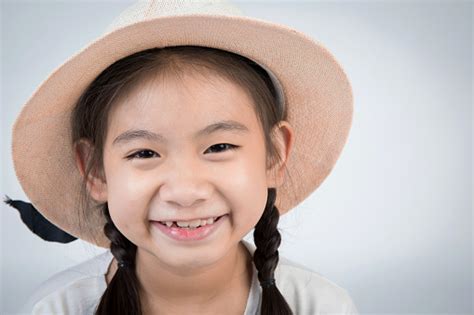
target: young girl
168 140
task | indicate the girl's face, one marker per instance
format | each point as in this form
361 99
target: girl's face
184 172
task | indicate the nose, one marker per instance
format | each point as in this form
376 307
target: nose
185 186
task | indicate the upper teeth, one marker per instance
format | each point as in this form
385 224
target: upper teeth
193 224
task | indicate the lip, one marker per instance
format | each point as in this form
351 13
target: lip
181 234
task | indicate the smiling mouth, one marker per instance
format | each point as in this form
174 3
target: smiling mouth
175 224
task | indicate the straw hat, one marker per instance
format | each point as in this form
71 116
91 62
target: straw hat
311 84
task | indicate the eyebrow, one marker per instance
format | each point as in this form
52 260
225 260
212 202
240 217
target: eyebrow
224 125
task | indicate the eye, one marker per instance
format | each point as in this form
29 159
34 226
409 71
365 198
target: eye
145 154
224 145
140 155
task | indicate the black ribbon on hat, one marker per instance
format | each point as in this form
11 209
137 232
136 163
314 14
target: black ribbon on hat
38 224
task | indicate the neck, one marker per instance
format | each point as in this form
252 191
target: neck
188 289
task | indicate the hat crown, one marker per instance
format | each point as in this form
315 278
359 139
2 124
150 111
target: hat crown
148 9
144 10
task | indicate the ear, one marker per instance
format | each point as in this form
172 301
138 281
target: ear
96 184
283 136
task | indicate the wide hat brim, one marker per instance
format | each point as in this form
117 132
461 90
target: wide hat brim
316 90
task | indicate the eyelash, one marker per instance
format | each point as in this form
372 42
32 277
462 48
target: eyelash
134 155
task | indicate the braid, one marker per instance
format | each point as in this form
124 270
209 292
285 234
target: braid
267 240
122 294
122 249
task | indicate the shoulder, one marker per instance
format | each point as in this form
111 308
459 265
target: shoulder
307 291
311 293
75 290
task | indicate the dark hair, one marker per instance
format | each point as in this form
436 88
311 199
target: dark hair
89 122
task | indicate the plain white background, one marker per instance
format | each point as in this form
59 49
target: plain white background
392 223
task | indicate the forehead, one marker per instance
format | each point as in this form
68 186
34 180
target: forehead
181 106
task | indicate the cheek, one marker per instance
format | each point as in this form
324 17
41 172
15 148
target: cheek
246 186
247 174
128 187
127 200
